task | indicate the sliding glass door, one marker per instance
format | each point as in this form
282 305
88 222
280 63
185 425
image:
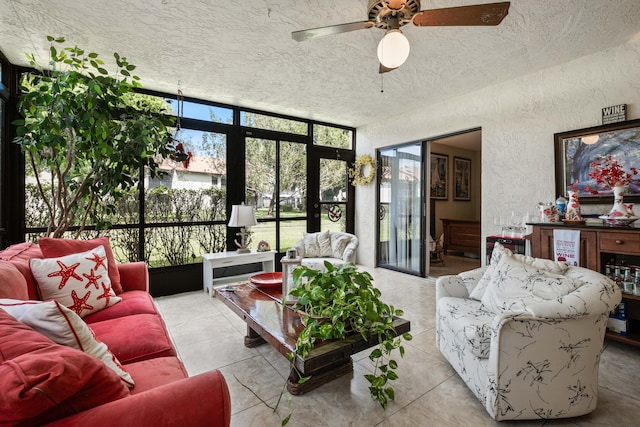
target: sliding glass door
401 216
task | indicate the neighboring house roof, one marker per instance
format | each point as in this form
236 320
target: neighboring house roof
197 164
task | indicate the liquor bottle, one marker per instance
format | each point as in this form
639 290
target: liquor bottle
627 280
617 276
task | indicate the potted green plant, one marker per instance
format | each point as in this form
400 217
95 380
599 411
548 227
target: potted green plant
335 303
341 301
87 134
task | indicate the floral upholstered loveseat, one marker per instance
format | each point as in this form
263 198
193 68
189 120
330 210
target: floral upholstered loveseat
525 334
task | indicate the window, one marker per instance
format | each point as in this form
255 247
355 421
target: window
262 121
185 196
276 184
400 215
183 213
2 136
332 136
201 111
333 194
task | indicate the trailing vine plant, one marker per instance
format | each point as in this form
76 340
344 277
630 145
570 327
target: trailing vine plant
343 301
334 304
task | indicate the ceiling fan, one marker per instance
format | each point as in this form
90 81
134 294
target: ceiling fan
390 15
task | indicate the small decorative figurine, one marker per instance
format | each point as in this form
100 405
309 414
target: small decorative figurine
263 246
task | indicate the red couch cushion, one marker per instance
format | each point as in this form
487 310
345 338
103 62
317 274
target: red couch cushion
152 373
133 302
19 255
54 248
63 327
134 338
42 381
12 283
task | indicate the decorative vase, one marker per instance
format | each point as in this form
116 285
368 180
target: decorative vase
573 207
548 213
629 207
619 215
619 210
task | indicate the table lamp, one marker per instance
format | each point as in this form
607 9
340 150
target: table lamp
242 216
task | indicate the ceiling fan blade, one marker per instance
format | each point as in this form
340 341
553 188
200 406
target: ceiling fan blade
330 30
384 69
479 14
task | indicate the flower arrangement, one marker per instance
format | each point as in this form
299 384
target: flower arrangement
357 172
573 186
607 170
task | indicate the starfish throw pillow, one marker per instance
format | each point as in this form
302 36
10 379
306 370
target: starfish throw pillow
78 281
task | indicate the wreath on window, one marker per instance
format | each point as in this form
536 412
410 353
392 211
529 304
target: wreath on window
363 170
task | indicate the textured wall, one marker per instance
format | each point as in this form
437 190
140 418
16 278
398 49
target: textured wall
518 119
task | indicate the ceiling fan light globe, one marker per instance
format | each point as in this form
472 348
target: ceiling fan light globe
393 49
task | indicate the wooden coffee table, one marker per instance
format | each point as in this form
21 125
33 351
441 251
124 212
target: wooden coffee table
268 320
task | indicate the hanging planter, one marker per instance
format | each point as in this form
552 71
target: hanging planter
180 155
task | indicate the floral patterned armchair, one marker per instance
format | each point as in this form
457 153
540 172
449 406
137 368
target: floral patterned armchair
526 334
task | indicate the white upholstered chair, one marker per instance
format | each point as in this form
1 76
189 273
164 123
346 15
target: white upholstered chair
526 334
336 247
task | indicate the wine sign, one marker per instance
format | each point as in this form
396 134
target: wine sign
614 114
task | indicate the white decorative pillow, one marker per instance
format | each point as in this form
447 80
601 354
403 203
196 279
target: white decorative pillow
64 327
499 252
556 267
339 241
78 281
311 247
477 292
515 285
324 241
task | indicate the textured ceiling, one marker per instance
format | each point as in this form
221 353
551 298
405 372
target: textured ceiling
241 52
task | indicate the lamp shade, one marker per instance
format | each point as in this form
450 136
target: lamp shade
393 49
242 216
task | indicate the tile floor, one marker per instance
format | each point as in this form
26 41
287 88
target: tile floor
429 393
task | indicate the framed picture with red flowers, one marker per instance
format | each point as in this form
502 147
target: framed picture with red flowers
595 159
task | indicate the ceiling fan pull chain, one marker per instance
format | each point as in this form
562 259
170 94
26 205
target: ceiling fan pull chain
381 83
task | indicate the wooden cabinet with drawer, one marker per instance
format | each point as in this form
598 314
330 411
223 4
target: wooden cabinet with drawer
461 235
619 242
599 246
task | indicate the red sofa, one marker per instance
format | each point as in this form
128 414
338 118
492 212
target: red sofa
135 333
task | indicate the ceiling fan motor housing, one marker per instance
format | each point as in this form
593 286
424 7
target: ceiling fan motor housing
385 12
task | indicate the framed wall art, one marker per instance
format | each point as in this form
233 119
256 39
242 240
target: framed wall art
461 179
577 149
439 173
